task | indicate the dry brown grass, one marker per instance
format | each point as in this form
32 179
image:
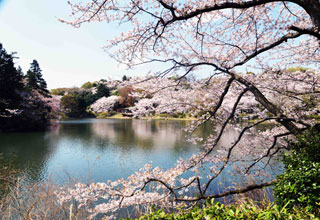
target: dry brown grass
36 201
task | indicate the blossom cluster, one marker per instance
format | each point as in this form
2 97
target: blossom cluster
105 104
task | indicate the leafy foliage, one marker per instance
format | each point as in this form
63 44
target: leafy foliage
216 210
58 91
300 184
87 85
102 91
70 105
76 101
75 104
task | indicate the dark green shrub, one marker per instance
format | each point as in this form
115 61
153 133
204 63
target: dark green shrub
102 91
75 104
300 183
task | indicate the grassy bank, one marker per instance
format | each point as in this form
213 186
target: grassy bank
105 115
247 210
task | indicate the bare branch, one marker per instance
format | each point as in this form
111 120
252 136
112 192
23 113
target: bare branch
264 49
306 31
231 192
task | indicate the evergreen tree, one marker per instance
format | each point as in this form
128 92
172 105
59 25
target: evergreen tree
35 79
102 91
31 80
10 82
20 109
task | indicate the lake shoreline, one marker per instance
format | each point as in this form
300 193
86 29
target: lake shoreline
120 116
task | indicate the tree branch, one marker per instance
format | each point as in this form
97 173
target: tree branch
306 31
231 192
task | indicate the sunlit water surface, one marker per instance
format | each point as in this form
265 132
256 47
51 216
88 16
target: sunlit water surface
97 150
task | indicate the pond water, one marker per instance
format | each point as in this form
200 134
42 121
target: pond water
98 149
91 150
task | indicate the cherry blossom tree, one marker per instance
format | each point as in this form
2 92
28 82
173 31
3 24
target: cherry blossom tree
220 38
53 102
164 95
105 104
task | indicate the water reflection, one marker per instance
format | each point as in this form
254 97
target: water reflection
31 150
140 133
99 150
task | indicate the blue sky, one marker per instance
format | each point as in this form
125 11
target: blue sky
67 56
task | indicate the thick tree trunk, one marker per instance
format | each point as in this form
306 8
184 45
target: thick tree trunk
312 7
275 110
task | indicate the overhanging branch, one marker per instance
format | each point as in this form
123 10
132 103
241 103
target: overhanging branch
306 31
231 192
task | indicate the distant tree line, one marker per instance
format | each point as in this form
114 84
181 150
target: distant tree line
75 103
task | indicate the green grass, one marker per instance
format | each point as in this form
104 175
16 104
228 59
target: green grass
215 210
105 115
